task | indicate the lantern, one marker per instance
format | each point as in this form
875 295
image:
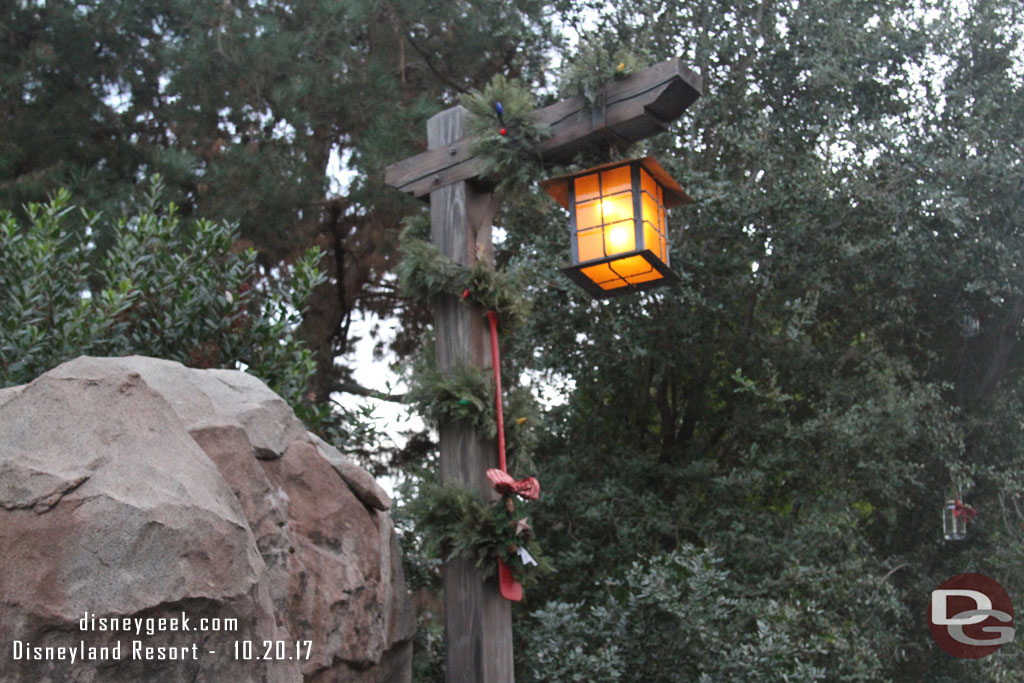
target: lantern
954 527
619 235
954 519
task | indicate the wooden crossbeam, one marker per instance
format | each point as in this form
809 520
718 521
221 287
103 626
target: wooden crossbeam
635 107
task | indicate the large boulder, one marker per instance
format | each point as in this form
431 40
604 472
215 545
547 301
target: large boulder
135 490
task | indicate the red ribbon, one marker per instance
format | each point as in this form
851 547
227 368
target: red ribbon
963 511
504 484
492 318
528 488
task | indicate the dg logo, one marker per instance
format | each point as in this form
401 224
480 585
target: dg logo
970 616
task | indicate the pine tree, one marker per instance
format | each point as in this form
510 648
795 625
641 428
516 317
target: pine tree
240 107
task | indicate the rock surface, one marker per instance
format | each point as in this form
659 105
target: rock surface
137 488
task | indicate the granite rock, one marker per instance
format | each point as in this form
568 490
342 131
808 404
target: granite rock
137 488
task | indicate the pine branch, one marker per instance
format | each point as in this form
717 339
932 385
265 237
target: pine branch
359 390
430 65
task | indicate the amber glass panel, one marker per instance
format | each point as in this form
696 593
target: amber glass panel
588 215
653 241
590 245
647 184
617 207
619 237
649 208
603 276
631 266
587 187
615 180
663 230
651 215
651 274
630 270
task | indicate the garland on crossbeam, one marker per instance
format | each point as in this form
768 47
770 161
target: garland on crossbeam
598 61
507 135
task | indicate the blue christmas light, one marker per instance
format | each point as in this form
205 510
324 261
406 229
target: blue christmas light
497 108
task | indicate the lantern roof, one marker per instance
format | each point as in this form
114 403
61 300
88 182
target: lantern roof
558 187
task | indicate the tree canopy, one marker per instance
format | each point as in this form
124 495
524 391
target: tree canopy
241 107
842 357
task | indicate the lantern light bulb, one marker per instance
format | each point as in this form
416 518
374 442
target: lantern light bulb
616 209
620 239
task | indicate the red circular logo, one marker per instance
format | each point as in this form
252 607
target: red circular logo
970 616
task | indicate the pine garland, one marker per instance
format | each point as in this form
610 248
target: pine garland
507 135
595 64
456 522
463 394
467 393
424 273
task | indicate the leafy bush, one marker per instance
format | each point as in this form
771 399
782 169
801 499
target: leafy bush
680 616
163 288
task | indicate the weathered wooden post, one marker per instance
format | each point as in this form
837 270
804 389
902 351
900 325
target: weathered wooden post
478 621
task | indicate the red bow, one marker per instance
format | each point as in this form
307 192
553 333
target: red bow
963 510
504 484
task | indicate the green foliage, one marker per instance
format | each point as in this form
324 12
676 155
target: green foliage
163 289
241 108
512 161
425 273
681 616
466 393
455 522
843 347
598 61
463 393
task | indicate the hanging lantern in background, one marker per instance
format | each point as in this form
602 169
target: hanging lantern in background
954 519
619 233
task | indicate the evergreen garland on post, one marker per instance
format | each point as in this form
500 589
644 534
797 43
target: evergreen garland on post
467 393
424 273
456 522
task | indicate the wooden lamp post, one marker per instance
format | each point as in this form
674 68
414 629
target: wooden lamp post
478 621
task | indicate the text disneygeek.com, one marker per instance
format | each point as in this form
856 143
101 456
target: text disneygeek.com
139 649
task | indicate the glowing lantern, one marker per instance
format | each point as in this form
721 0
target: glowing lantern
619 236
